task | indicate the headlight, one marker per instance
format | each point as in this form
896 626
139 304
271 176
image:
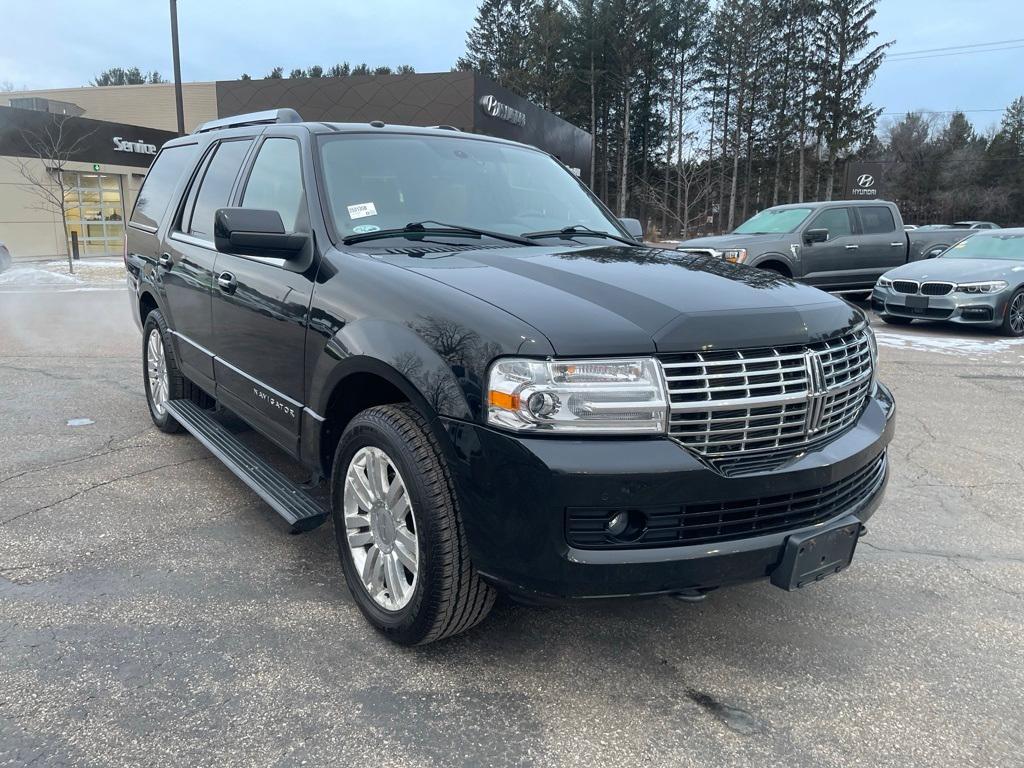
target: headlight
623 396
884 282
987 286
735 255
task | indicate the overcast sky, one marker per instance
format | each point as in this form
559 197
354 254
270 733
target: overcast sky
79 40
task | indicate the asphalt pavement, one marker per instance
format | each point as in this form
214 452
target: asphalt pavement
153 611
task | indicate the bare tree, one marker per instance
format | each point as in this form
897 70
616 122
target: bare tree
51 147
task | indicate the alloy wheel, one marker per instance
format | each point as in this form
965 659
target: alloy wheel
1017 314
380 528
156 370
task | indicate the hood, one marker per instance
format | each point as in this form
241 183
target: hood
628 300
721 242
960 270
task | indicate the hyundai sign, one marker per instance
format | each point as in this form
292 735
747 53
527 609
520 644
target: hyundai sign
863 180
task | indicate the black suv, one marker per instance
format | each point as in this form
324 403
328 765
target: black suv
486 380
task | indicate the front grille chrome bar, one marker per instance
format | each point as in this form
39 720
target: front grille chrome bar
732 406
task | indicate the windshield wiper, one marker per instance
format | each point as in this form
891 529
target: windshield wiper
418 228
568 233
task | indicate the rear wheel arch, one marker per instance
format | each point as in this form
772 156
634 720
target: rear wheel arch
147 303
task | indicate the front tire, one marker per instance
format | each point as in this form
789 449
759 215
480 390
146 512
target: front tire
399 530
1013 319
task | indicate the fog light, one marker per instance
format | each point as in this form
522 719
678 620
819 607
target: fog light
618 524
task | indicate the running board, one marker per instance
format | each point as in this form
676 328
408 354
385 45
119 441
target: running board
301 511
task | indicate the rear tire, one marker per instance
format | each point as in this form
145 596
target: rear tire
1013 317
400 536
160 373
896 320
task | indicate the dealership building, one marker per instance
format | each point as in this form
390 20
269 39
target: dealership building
115 131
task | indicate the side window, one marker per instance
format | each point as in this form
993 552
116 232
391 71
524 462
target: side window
160 182
836 221
215 188
275 182
876 220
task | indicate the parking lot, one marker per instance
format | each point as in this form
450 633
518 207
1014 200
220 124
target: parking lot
153 611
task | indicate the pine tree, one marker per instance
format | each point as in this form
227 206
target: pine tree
847 69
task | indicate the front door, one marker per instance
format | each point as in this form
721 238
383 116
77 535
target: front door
826 265
261 305
187 259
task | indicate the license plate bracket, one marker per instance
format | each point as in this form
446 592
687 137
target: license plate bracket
810 557
917 302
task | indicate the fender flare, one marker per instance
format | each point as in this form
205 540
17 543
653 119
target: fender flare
397 354
788 261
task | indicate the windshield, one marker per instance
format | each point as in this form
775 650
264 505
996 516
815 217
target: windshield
773 221
1009 247
387 181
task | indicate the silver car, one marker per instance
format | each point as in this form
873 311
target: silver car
979 281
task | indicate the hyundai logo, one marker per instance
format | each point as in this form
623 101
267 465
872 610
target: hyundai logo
496 109
865 180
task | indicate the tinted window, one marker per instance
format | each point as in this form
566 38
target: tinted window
388 181
877 219
160 182
276 181
836 221
215 189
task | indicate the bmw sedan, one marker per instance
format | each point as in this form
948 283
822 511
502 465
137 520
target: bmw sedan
979 281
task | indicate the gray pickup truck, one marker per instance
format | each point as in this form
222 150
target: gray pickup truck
844 245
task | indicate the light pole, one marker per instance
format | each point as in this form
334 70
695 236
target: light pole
177 66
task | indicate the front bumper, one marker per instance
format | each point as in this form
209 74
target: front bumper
515 493
971 309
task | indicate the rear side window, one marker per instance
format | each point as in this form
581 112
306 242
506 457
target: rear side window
876 220
836 221
215 188
275 183
160 182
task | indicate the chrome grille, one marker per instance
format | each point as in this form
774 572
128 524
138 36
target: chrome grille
936 289
904 286
746 410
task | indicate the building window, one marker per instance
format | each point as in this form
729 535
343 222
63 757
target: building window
95 210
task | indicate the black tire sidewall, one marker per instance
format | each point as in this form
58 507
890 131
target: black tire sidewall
411 622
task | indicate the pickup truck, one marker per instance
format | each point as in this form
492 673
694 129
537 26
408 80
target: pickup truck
449 346
838 246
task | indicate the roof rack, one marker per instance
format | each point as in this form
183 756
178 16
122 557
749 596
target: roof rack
251 118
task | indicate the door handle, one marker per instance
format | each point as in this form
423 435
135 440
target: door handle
165 260
896 245
226 282
851 247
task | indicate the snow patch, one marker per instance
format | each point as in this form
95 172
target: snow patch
948 345
90 264
80 422
28 276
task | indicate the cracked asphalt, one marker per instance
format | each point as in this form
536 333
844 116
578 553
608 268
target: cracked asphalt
154 612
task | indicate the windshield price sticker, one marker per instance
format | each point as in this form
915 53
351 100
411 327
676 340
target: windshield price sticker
362 210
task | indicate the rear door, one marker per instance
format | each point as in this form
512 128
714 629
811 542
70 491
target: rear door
261 304
882 245
826 264
188 258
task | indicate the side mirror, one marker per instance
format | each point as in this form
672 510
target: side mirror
816 236
634 228
255 232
